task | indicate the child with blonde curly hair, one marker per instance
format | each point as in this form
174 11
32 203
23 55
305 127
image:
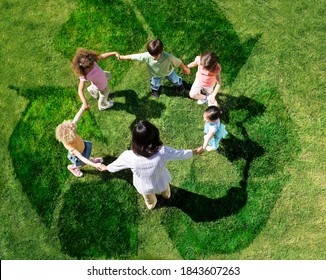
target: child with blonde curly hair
79 150
85 66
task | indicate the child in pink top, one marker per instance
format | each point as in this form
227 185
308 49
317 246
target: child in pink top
85 66
207 76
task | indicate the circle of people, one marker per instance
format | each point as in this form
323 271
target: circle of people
148 156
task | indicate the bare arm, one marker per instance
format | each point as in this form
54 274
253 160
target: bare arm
85 160
208 136
192 64
125 57
108 54
81 94
78 115
216 89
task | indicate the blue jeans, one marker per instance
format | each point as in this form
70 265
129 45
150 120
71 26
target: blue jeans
86 153
173 78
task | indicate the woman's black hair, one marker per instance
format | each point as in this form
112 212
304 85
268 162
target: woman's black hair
145 139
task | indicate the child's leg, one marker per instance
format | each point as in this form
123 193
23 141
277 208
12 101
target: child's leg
155 83
195 93
175 79
103 102
93 91
150 200
155 86
167 193
209 91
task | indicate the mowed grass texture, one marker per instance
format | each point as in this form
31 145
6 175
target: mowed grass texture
227 204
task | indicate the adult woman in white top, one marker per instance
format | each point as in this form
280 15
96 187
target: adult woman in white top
147 159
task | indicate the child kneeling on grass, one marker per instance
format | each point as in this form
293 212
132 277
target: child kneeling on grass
214 130
79 150
147 159
208 75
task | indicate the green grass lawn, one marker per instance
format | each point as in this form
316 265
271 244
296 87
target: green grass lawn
261 196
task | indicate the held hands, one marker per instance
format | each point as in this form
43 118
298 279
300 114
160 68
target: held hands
186 70
198 151
85 106
101 167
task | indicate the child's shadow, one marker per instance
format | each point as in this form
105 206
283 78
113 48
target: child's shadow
201 208
142 108
173 91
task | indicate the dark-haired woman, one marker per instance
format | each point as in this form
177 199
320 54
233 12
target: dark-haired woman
147 159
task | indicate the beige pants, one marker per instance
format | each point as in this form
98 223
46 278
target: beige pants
102 95
151 200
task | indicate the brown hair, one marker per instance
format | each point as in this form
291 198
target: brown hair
84 59
155 47
209 60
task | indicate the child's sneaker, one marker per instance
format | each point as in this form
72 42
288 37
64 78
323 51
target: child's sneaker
93 91
74 170
202 101
109 105
155 93
96 160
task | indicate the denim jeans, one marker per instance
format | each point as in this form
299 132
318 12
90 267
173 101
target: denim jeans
173 78
86 153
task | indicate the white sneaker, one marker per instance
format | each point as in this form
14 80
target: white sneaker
109 105
201 101
93 91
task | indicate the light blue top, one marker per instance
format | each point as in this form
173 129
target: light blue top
219 132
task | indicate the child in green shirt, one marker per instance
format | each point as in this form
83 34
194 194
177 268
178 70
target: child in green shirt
160 64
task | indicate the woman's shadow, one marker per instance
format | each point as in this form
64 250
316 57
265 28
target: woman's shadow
201 208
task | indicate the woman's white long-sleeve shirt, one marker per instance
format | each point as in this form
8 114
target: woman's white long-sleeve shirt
150 175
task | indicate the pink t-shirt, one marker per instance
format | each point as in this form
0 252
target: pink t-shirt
205 77
97 77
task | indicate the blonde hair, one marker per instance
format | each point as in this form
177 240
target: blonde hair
84 59
66 132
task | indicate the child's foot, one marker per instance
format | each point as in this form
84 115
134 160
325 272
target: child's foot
96 160
155 93
202 101
109 105
75 171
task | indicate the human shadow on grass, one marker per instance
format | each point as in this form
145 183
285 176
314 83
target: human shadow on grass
142 108
201 208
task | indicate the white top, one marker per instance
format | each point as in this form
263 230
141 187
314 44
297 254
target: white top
149 174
